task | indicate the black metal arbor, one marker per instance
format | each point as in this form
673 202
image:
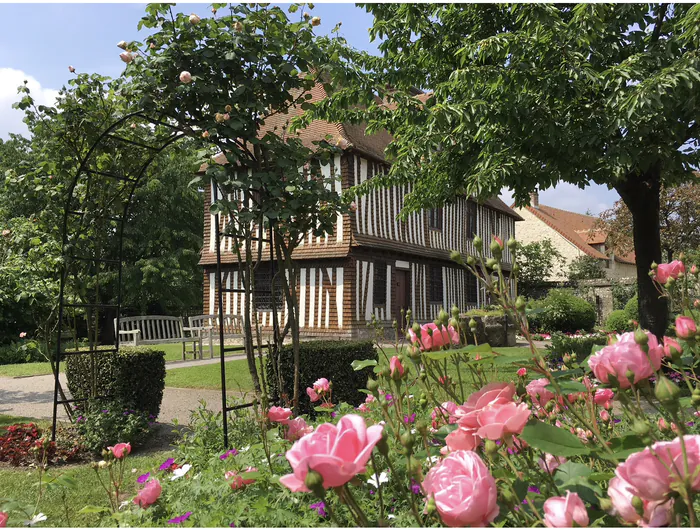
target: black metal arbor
96 209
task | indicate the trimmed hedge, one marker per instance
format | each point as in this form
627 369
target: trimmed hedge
322 358
618 321
134 377
632 308
565 312
581 346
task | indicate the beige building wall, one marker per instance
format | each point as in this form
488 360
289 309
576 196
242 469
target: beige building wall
532 230
621 270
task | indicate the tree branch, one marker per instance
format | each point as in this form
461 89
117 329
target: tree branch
661 13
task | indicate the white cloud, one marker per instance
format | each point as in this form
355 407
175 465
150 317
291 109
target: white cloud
11 119
592 199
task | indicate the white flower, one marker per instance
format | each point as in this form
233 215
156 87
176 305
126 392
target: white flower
36 519
383 478
244 449
124 504
180 472
390 516
133 470
432 459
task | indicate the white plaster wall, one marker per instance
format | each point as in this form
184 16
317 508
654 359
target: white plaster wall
621 270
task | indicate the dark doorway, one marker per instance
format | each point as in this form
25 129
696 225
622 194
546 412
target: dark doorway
402 286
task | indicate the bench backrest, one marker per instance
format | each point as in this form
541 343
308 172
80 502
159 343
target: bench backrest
153 327
232 323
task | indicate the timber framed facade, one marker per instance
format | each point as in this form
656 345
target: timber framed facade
373 264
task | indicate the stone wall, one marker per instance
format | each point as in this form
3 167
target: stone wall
497 331
599 293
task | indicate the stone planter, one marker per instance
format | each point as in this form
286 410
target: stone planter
498 331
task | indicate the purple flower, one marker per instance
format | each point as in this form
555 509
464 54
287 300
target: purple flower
389 398
409 419
320 508
143 478
534 489
333 414
617 420
166 465
415 487
232 525
179 519
371 492
230 452
105 411
80 419
690 423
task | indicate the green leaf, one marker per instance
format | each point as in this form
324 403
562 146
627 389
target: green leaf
601 476
93 509
553 440
359 365
623 446
569 471
568 387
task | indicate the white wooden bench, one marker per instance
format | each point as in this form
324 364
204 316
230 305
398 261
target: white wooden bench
157 329
207 327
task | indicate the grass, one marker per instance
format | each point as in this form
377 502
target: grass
20 485
238 376
7 420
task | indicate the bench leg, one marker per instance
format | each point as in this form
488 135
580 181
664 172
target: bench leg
199 343
211 346
183 352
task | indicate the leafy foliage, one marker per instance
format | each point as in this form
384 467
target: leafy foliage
585 268
536 262
23 351
25 444
618 321
134 377
632 308
104 423
581 346
566 312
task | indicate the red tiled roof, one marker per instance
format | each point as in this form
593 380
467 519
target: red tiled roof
578 229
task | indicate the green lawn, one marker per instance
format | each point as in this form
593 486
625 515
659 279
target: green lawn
238 376
20 484
6 420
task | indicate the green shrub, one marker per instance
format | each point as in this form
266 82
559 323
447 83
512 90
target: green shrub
329 359
564 311
618 321
24 351
581 346
483 312
102 423
133 376
632 308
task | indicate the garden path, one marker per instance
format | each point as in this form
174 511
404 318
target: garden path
33 396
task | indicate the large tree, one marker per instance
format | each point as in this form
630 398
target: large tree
524 96
679 221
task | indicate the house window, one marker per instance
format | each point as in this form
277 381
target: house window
435 292
435 219
379 283
472 229
472 288
263 289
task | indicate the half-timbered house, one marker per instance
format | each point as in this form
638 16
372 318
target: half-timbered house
374 263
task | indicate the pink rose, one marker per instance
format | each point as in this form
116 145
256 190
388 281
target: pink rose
337 452
462 440
120 450
550 463
438 414
279 414
522 372
362 408
396 366
4 516
23 334
71 69
433 338
126 57
685 327
322 385
603 397
297 428
370 399
185 77
148 494
562 512
626 355
237 481
604 415
670 345
312 394
501 420
464 491
537 391
669 270
655 513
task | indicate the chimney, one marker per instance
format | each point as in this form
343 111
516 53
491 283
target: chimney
535 199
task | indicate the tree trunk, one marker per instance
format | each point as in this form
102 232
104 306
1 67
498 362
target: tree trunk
640 192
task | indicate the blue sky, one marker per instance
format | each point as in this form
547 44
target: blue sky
39 41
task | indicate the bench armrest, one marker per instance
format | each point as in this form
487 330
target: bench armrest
130 332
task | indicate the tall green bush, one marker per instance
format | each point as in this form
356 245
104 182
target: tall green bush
632 308
581 346
329 359
566 312
618 321
135 377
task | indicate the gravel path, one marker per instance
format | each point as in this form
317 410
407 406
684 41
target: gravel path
33 396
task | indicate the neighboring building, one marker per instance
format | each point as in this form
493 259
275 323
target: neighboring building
573 235
373 263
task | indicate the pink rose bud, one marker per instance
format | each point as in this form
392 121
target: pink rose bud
23 334
6 232
522 372
237 481
133 126
685 327
205 134
185 77
603 397
604 416
694 269
316 21
121 44
149 494
152 46
669 270
696 304
71 69
395 366
563 512
337 452
4 516
120 450
194 19
353 206
227 116
126 57
279 414
670 345
550 463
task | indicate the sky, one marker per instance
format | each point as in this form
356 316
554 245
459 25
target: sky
39 41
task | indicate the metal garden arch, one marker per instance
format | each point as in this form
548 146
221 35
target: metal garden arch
98 199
